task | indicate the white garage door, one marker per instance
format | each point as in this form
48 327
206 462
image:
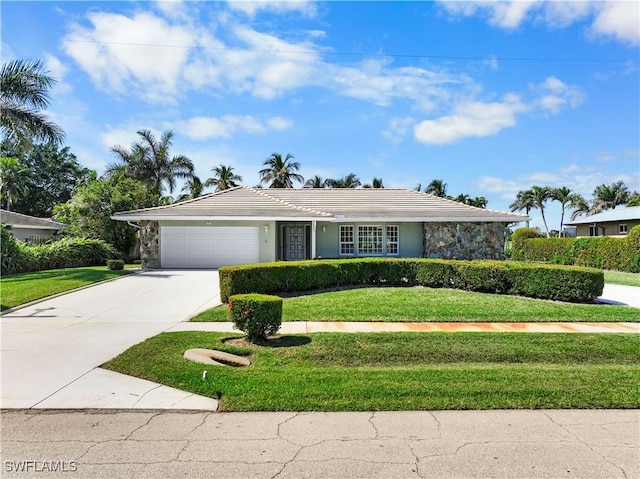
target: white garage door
207 247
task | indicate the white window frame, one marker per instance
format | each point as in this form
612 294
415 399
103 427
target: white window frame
594 231
395 243
346 243
374 234
623 229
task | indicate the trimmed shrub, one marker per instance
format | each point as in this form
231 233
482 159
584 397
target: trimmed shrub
517 241
552 250
633 242
526 279
115 264
66 253
257 315
560 283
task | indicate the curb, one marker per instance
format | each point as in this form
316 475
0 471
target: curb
41 300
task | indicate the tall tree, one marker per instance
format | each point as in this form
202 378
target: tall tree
376 183
316 182
191 189
566 198
13 181
24 93
349 181
89 212
437 188
223 178
478 202
279 172
606 197
524 201
54 174
150 162
540 195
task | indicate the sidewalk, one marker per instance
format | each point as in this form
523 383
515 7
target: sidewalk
418 444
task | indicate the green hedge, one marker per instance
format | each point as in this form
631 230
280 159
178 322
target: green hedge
257 315
517 241
621 254
563 283
66 253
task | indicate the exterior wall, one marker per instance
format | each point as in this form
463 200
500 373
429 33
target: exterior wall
328 242
464 240
149 244
610 229
267 250
23 233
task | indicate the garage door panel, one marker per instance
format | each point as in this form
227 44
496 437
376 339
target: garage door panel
208 247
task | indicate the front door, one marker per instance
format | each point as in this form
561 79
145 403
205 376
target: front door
294 242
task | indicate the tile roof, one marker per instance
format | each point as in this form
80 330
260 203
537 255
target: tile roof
337 204
625 213
26 221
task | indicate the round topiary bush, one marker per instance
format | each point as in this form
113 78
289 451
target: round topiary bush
115 264
257 315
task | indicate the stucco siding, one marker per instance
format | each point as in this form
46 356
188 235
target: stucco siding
610 229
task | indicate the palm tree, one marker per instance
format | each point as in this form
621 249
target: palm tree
478 202
223 178
191 189
539 195
524 201
565 197
13 180
149 161
280 173
315 182
349 181
376 183
580 206
24 89
462 198
437 188
606 197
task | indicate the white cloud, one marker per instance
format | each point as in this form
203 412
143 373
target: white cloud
58 71
620 19
252 7
116 53
397 129
555 95
204 128
473 119
509 15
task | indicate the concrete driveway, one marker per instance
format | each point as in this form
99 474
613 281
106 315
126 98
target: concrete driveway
50 346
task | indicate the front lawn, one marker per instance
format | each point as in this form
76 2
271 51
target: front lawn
401 371
21 288
425 304
619 277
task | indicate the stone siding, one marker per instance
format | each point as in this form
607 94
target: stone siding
149 244
464 240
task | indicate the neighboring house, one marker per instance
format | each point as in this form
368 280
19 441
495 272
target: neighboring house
615 222
246 225
25 227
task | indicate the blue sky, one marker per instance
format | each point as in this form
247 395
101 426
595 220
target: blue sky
493 97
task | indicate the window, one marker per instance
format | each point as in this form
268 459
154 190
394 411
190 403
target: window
370 240
594 231
346 239
623 229
392 240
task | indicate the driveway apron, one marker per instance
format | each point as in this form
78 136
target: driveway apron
49 345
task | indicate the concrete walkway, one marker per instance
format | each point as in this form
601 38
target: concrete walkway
50 350
439 444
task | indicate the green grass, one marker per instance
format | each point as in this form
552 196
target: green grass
401 371
425 304
21 288
625 279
